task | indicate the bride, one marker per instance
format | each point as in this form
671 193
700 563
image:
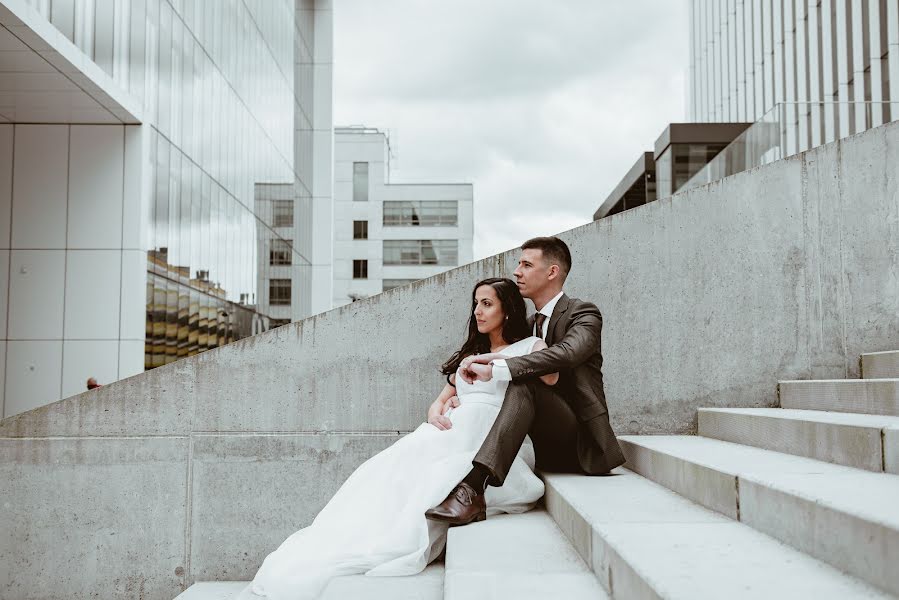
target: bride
375 523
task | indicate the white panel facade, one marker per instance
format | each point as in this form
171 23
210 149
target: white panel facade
824 69
95 187
88 358
383 226
33 374
92 294
40 185
36 294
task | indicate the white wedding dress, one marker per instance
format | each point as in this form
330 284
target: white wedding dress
375 523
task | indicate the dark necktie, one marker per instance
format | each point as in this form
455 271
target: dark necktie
541 318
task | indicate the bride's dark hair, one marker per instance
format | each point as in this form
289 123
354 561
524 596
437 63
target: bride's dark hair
515 327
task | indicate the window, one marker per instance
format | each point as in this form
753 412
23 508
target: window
282 213
360 230
444 213
360 182
421 252
360 269
272 323
279 292
389 284
279 252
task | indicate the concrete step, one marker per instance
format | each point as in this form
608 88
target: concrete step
880 365
516 556
427 585
644 541
867 396
868 442
843 516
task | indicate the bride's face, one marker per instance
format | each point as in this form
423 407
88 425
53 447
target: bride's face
488 311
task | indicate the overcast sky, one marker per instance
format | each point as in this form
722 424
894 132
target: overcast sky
543 106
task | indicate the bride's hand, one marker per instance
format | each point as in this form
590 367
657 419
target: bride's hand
440 422
451 402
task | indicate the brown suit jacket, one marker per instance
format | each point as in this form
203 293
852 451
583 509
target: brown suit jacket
574 351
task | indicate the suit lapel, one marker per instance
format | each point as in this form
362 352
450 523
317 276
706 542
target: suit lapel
560 309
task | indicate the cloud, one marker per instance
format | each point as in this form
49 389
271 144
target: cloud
542 106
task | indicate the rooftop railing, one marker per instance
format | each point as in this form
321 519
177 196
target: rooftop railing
790 128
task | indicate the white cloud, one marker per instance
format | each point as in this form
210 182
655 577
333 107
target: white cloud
543 106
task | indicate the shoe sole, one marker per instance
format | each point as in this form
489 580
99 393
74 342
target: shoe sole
477 518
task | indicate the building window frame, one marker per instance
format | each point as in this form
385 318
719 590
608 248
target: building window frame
421 213
282 213
279 292
360 182
280 252
421 252
360 268
360 230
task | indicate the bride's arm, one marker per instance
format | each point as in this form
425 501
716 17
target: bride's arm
550 378
436 409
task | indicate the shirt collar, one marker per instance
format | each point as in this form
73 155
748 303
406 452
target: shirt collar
551 305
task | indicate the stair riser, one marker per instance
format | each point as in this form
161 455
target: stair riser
866 550
881 365
705 486
891 451
861 548
853 446
866 396
614 574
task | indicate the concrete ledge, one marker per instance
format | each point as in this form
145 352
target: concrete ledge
880 365
847 439
843 516
648 542
867 396
515 556
427 585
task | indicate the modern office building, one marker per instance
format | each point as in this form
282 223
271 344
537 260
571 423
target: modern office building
680 152
133 134
388 234
826 68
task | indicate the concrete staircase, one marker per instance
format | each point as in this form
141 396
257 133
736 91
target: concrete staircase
794 502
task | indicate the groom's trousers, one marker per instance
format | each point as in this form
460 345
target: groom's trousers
530 407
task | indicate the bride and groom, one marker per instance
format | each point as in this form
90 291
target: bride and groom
521 394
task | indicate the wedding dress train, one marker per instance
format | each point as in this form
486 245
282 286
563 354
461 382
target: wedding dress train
375 522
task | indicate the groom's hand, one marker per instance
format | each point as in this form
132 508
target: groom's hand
481 372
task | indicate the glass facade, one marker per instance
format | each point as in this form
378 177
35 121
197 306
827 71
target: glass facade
427 214
421 252
680 162
226 94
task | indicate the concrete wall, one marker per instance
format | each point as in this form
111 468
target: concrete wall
788 271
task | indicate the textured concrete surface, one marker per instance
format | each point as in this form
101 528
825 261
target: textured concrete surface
891 450
105 516
648 542
854 440
515 556
795 261
843 516
261 488
213 590
867 396
880 365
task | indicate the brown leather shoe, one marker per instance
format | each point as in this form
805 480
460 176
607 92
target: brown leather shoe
461 507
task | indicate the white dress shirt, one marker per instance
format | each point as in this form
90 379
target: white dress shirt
500 369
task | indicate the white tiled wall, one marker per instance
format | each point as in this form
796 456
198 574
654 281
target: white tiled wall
33 374
67 194
40 184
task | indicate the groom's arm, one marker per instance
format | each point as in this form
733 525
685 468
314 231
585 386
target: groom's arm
580 341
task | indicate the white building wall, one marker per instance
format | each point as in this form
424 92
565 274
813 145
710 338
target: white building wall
370 146
72 267
838 59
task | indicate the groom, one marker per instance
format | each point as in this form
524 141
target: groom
569 422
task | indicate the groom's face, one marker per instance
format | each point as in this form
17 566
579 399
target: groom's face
532 274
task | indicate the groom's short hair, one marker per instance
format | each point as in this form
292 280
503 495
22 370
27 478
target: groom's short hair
555 251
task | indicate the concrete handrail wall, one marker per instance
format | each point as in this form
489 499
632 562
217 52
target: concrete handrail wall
196 470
